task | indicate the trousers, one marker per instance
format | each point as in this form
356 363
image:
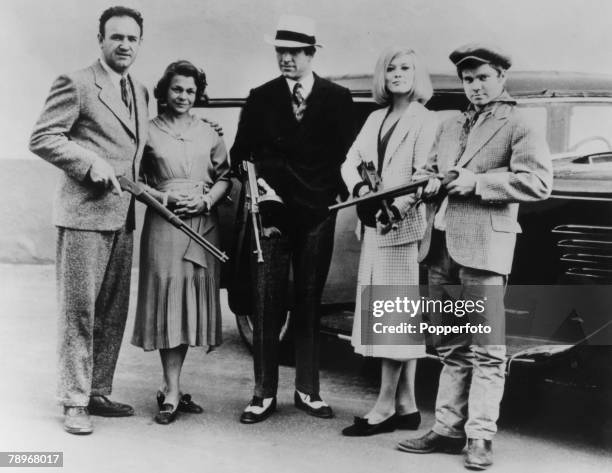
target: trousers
93 283
308 248
473 374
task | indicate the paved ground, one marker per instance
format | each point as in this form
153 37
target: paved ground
569 430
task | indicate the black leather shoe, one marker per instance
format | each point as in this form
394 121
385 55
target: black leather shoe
104 407
313 405
408 421
77 421
185 403
362 428
479 454
167 414
255 411
432 442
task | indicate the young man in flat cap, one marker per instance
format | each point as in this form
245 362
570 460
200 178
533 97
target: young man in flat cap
501 161
297 130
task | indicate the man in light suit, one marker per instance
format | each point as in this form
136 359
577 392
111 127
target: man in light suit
501 161
93 127
297 129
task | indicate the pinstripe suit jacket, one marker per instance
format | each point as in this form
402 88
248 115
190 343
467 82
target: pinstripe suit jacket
84 120
407 150
512 164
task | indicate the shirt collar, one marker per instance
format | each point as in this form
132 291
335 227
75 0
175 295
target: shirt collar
114 76
307 83
491 107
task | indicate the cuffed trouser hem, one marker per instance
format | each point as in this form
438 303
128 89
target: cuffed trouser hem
263 394
80 401
441 430
305 390
101 392
479 436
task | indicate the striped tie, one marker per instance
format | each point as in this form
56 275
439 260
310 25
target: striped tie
125 94
299 103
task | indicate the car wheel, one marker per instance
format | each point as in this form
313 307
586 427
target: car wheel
286 346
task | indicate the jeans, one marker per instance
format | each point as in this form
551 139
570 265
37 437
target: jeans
472 378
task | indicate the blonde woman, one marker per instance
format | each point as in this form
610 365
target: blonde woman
396 139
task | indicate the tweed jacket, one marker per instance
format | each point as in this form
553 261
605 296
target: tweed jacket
299 160
408 149
512 164
83 121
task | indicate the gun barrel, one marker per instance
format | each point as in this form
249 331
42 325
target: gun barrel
389 193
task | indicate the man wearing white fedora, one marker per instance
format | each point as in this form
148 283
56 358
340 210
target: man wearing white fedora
297 129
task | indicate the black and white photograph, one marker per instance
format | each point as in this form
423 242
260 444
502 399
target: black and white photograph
273 235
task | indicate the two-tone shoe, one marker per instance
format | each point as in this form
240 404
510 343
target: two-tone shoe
259 409
312 405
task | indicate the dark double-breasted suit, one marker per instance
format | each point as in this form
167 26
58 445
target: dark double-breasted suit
84 120
301 161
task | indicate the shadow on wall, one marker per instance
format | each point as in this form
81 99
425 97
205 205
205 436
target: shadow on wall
27 234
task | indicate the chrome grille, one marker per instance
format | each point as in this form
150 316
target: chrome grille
586 252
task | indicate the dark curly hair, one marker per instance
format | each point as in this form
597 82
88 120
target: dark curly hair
119 11
181 68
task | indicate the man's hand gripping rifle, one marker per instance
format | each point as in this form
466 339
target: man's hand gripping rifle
386 196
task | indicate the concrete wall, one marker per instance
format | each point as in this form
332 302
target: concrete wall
27 234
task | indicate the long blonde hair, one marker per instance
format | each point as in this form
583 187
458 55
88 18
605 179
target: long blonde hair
422 90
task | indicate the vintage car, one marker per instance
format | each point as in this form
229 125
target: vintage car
566 241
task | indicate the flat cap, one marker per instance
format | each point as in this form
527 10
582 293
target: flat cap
481 53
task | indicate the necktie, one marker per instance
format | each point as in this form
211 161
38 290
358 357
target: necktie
125 94
299 103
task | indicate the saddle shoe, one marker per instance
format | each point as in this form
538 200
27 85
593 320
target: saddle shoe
312 405
259 409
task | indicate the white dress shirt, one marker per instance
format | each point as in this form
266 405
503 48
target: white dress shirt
307 83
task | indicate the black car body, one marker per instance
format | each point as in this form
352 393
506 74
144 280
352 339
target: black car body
566 240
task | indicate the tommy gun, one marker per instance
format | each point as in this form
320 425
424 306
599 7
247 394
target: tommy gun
252 200
143 196
264 205
386 195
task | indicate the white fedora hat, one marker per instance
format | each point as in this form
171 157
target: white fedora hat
294 32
